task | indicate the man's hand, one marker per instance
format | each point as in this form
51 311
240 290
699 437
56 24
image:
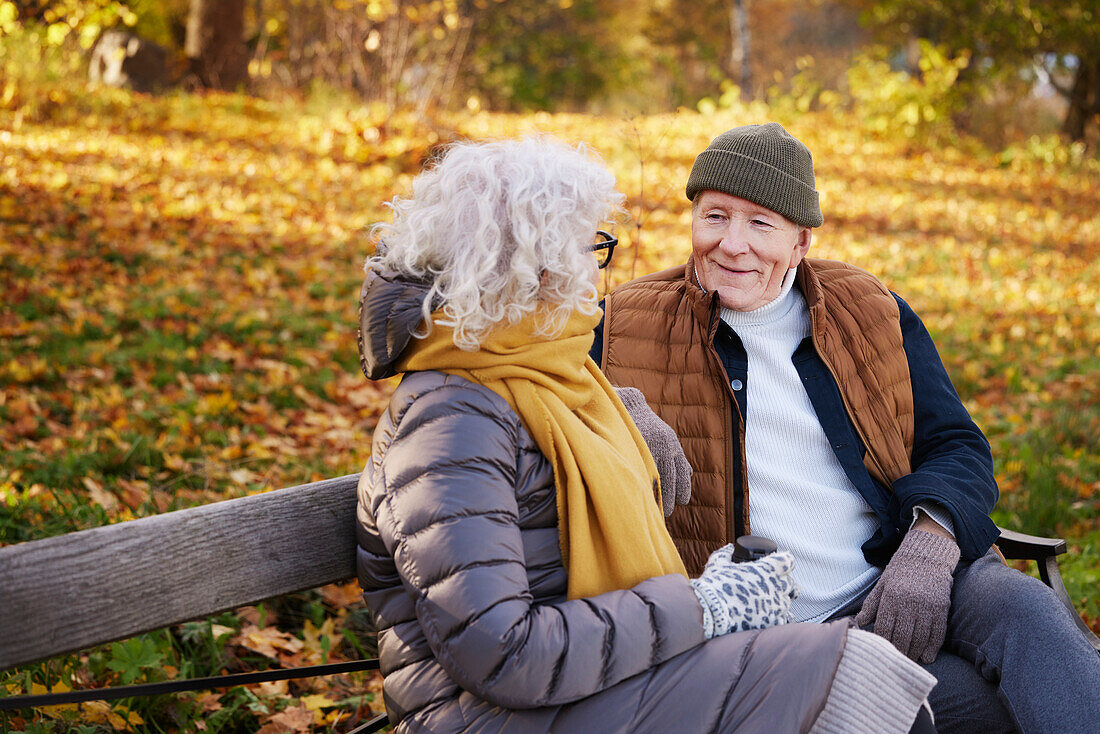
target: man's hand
672 465
910 603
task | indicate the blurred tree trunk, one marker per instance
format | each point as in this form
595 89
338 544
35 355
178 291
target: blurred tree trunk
215 45
1083 98
739 49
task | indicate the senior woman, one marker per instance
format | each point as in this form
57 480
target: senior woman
510 544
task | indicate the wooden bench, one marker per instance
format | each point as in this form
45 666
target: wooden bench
113 582
109 583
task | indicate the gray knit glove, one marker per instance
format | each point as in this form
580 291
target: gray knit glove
668 454
745 596
909 604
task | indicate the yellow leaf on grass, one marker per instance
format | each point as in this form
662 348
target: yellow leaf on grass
312 636
100 712
267 640
37 689
95 712
272 689
342 595
316 702
289 721
99 495
243 476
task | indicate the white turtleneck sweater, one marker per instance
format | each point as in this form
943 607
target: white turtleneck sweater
799 495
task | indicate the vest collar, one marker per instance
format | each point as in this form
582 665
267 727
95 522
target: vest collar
704 303
809 283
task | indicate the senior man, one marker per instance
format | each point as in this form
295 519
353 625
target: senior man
814 410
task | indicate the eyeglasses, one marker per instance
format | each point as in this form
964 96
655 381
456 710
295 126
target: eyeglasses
603 248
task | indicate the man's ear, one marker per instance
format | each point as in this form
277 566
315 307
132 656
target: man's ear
802 246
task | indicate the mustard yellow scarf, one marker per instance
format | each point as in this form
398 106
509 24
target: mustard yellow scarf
611 530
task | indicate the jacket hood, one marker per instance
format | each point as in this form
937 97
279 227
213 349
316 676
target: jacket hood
389 312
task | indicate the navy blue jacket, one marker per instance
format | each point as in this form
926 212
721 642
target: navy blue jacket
951 459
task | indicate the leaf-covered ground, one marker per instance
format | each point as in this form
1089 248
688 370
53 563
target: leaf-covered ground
179 280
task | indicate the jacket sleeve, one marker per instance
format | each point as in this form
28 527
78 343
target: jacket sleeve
447 511
951 460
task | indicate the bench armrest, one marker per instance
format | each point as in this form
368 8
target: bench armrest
1029 547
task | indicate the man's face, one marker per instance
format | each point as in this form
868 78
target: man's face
743 250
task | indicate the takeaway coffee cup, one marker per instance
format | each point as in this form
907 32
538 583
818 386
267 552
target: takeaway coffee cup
751 547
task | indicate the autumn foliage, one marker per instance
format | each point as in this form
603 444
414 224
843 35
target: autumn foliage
178 326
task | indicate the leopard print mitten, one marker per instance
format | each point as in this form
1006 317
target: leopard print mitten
745 596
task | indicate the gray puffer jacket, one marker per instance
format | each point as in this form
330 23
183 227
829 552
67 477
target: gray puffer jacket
459 560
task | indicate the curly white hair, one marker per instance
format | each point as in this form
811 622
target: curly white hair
499 230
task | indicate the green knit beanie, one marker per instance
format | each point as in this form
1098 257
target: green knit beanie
764 164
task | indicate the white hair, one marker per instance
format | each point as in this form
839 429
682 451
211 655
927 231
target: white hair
499 229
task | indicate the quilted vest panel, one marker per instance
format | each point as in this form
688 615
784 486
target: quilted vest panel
857 332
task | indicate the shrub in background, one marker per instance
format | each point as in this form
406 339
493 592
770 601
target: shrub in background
920 108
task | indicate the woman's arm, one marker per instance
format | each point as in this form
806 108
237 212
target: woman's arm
445 506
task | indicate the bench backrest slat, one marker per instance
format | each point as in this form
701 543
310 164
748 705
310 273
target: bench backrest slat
74 591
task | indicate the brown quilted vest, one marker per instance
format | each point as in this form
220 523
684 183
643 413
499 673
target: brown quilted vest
658 336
